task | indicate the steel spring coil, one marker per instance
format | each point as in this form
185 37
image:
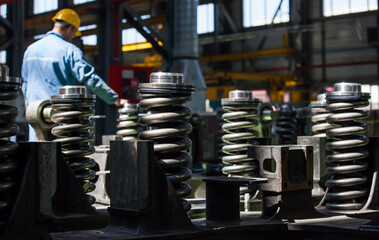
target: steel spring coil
128 126
320 113
347 188
240 129
220 134
9 90
286 125
164 96
72 110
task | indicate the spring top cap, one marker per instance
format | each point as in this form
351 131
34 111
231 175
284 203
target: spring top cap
166 80
347 87
166 77
4 76
73 92
348 90
240 96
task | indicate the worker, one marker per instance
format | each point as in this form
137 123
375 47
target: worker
54 61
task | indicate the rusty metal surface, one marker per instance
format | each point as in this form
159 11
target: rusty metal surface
38 115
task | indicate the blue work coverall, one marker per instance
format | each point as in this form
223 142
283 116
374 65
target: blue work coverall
53 62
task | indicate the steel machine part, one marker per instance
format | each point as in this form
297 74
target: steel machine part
347 188
240 130
38 115
320 113
143 200
128 126
288 169
319 154
72 109
164 96
286 125
9 90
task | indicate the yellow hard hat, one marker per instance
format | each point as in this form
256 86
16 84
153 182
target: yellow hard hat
69 16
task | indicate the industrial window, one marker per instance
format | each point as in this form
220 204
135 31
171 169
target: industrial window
261 12
90 40
340 7
3 57
131 35
87 27
76 2
41 6
205 18
3 10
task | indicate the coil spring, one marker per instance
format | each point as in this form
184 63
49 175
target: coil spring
128 126
347 187
76 133
320 113
9 90
286 125
241 121
220 134
164 97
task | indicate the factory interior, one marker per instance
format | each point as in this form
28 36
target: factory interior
239 119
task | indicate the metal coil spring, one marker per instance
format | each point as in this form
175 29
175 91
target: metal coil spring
286 125
168 126
76 133
347 187
128 126
240 129
9 90
220 134
320 113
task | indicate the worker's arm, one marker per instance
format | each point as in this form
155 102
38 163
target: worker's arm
85 74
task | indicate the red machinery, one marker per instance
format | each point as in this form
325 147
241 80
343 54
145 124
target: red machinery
126 79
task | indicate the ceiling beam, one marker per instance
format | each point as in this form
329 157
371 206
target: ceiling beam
246 55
